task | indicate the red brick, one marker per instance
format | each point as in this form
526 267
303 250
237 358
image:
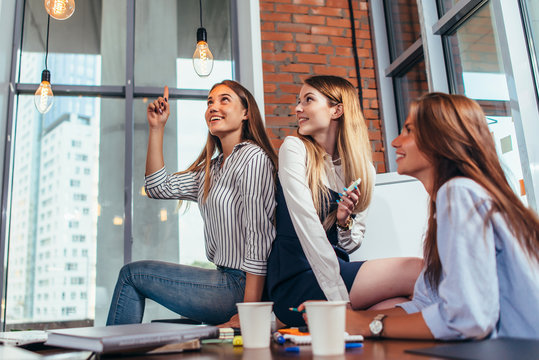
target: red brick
268 67
340 41
267 26
275 17
311 58
343 51
327 50
269 87
280 78
276 36
330 70
316 39
285 99
326 11
289 47
345 23
340 61
276 56
290 88
326 30
268 46
266 7
309 19
308 48
301 28
297 68
343 4
291 9
310 2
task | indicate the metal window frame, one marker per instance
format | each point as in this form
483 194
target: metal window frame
128 91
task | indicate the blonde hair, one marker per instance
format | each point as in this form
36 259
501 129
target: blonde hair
253 130
353 146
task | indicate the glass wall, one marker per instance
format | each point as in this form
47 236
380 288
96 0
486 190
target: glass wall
476 48
77 208
477 71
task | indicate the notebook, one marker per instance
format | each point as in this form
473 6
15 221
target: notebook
495 349
20 338
131 337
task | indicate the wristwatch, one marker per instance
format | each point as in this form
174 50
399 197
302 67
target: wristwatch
377 325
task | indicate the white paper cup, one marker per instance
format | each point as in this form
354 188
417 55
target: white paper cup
255 322
326 325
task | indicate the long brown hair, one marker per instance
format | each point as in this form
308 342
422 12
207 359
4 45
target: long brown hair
353 145
451 130
253 130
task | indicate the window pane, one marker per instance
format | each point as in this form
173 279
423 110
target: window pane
165 40
161 230
445 5
402 21
409 87
99 59
56 210
478 72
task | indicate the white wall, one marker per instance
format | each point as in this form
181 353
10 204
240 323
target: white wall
397 218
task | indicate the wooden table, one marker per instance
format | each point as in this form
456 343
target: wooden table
372 349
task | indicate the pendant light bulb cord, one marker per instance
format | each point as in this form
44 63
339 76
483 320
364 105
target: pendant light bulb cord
200 8
47 43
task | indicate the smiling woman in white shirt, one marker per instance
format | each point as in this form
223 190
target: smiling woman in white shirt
321 209
481 276
235 191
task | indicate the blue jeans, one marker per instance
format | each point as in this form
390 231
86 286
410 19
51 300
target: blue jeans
201 294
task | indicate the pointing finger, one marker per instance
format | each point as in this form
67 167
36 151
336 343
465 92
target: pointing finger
165 93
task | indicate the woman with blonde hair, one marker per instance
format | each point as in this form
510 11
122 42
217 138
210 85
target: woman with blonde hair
233 182
481 250
319 221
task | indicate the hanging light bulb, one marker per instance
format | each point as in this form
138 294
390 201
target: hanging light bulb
44 97
202 58
60 9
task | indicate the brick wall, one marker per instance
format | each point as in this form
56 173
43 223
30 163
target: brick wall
301 38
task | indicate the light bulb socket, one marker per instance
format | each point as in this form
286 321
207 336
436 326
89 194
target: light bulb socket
46 76
202 35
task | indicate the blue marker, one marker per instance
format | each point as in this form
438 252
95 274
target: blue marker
278 338
353 345
294 349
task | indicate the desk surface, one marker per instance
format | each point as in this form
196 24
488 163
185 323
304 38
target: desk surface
372 349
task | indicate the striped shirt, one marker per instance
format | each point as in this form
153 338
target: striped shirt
239 211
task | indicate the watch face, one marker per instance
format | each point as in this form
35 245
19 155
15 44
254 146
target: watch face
376 327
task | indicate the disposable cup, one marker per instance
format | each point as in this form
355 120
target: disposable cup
326 325
255 323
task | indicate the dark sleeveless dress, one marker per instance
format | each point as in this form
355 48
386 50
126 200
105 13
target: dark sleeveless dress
290 280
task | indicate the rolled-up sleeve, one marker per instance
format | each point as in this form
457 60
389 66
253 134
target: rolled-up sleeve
161 185
311 234
466 305
258 195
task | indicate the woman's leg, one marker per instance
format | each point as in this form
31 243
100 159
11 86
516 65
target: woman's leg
382 279
206 295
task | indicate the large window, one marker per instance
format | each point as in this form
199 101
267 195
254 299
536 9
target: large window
472 47
76 205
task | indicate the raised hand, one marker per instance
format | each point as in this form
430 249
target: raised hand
158 111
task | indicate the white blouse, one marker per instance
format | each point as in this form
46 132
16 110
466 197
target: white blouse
311 233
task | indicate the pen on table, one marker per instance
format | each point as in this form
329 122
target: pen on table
296 310
278 338
346 346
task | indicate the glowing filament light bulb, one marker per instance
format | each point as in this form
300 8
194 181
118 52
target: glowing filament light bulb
202 58
60 9
44 97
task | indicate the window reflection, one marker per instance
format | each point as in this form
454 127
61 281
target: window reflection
478 72
409 87
403 25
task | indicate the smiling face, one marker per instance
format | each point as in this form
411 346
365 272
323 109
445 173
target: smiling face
314 113
410 160
225 113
